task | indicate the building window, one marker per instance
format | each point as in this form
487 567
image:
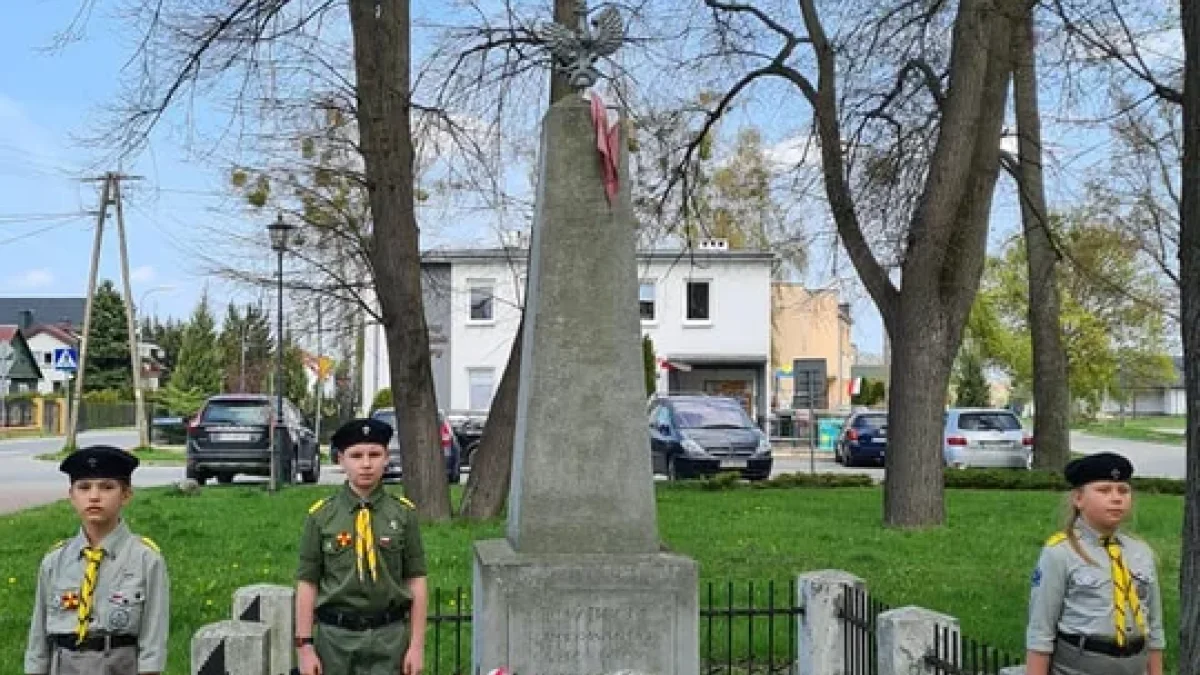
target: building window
483 300
481 385
646 295
48 358
699 302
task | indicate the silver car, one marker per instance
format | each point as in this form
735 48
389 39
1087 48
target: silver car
985 438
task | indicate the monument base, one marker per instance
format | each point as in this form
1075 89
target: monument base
575 614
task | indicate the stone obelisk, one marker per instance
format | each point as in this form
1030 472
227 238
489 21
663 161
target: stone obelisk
578 585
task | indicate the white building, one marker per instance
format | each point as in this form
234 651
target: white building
43 340
708 313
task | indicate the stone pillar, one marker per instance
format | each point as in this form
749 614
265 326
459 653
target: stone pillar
822 630
907 636
274 606
230 648
579 584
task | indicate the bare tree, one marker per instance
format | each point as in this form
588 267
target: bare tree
941 252
1189 273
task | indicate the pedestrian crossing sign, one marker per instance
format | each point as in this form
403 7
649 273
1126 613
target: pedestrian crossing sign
66 360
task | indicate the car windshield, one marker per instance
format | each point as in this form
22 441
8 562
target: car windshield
387 417
710 415
988 421
237 412
871 422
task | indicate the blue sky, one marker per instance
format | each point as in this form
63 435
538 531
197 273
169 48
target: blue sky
48 99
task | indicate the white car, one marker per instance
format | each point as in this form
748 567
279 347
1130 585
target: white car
985 438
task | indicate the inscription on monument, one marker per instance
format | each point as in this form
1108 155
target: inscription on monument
581 638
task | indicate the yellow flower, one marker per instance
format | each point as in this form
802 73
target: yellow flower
235 566
208 602
12 580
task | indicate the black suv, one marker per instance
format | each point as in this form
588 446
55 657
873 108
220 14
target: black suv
697 435
232 435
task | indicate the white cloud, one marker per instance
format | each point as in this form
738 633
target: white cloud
794 151
36 278
141 275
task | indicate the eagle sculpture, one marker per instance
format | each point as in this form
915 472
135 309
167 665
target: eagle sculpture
575 52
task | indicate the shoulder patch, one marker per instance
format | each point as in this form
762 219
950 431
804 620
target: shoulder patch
407 502
57 545
1056 539
318 505
151 545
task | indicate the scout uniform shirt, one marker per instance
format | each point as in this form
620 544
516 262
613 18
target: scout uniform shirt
131 598
328 558
1075 597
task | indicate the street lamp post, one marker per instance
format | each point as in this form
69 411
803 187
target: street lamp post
279 231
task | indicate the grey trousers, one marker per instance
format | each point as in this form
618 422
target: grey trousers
119 661
1071 660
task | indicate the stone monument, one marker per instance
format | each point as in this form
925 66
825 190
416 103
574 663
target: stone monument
579 585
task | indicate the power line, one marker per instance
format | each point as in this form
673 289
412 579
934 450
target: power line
29 235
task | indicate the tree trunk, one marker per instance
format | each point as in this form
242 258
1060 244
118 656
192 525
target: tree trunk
491 465
1051 392
1189 282
946 244
382 49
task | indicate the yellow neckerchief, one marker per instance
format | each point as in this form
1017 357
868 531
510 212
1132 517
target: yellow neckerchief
87 593
1124 593
367 556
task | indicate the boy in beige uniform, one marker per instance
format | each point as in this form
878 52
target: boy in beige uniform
102 605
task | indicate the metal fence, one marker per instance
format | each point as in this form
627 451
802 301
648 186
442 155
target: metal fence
860 613
745 629
953 654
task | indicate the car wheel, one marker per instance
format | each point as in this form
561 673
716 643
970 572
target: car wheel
224 478
192 474
837 454
455 478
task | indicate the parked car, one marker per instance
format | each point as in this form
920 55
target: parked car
985 438
468 430
232 435
863 439
693 436
450 448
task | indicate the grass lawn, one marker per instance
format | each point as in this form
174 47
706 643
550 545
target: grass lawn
154 456
1167 430
977 568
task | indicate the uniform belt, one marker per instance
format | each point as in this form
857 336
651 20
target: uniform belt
95 643
358 620
1105 645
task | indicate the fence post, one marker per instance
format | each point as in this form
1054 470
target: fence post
908 635
230 648
1013 670
822 631
275 607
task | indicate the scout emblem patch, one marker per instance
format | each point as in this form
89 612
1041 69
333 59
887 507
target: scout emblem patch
385 542
118 618
344 539
69 600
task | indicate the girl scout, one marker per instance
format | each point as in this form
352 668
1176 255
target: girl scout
1095 605
102 597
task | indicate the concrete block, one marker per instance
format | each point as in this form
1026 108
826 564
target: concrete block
274 606
822 631
230 648
906 637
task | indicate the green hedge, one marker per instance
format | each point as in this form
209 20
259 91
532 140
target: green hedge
955 479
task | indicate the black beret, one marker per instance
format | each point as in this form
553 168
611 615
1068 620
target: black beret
99 461
1100 466
362 431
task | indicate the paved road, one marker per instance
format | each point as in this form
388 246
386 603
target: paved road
26 482
1149 459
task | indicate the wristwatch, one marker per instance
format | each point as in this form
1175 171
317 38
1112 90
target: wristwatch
301 641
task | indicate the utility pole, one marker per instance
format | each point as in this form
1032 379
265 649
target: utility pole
135 352
77 398
320 375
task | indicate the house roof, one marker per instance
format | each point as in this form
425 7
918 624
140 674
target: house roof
45 310
7 333
61 333
520 254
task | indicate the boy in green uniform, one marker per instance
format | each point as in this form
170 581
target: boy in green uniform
362 569
102 605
